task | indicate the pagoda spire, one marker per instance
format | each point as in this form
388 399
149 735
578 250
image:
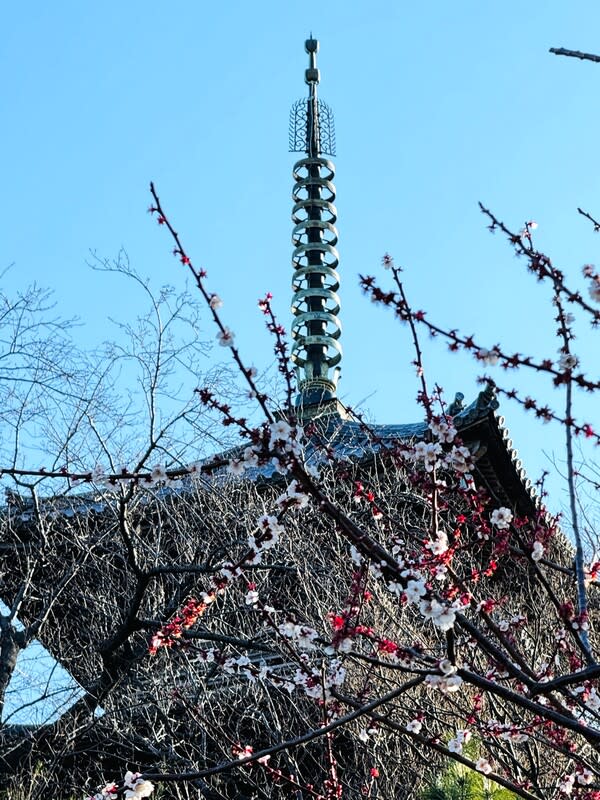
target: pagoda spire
316 329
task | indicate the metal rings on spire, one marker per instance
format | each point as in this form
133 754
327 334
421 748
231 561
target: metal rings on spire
316 329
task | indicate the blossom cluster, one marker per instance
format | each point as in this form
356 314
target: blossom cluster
279 443
135 788
268 530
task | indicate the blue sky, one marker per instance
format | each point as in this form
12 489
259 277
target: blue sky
437 105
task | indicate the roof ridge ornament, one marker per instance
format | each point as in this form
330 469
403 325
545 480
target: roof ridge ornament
316 329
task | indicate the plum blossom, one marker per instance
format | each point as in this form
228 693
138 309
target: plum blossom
427 453
280 431
456 744
215 302
270 530
447 667
459 459
443 429
537 551
108 793
137 786
439 545
158 473
445 684
305 637
414 726
490 357
585 777
355 556
594 288
312 684
568 361
289 629
344 645
567 783
501 518
442 615
250 457
593 700
236 467
483 765
225 337
243 751
252 598
98 473
293 497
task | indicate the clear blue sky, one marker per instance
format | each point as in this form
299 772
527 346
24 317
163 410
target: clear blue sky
437 105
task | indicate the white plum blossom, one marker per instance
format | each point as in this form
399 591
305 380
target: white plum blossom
280 431
459 459
501 518
445 619
289 629
108 793
270 530
344 645
293 497
252 598
158 473
230 571
567 783
593 700
442 615
317 685
585 777
444 430
427 453
456 744
445 684
447 667
98 473
336 674
236 467
137 787
594 291
250 457
483 765
490 357
414 726
215 302
305 637
355 556
439 545
225 337
568 361
376 569
537 551
451 684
